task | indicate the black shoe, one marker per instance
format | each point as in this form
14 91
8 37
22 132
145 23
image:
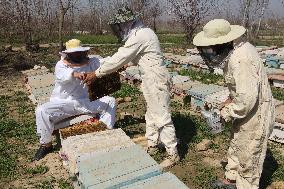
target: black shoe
219 184
42 152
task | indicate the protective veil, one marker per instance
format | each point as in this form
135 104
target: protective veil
143 49
69 98
252 110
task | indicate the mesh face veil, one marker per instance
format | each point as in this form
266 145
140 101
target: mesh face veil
214 56
77 57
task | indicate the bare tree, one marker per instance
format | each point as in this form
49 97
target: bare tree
190 13
64 6
253 12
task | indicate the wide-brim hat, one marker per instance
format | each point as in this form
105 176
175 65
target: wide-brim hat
123 15
74 45
218 31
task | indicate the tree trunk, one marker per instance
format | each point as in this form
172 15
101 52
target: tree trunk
60 30
154 25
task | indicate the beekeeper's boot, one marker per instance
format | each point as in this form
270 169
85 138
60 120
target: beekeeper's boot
152 150
42 152
170 160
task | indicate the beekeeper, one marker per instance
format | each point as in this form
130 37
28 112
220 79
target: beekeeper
70 96
250 107
142 48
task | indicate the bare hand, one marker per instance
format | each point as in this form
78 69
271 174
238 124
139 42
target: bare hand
78 75
90 77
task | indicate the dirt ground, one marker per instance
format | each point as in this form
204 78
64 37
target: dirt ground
196 169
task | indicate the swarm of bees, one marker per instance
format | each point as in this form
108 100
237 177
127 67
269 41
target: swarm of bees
88 126
104 86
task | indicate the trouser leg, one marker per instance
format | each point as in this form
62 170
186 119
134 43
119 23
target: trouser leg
105 107
50 113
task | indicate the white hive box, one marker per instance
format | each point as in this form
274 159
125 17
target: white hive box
163 181
216 99
86 145
277 133
116 169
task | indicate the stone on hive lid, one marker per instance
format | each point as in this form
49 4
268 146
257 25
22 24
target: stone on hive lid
90 144
116 169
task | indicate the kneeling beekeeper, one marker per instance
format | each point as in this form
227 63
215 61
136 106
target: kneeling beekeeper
70 96
142 48
250 107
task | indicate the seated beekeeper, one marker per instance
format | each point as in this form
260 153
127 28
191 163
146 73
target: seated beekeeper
142 48
250 106
70 96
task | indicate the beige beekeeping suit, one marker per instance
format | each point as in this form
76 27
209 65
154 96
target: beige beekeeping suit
143 49
252 111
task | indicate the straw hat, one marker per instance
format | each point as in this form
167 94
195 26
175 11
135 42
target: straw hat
74 45
218 31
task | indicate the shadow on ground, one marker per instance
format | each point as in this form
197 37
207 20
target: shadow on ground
269 167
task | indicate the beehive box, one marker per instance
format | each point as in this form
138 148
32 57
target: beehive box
84 127
277 133
182 88
216 99
278 83
40 87
116 169
166 180
198 94
90 144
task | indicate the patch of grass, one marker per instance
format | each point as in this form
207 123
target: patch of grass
278 175
46 184
37 170
172 38
3 106
207 78
65 184
8 161
278 93
126 91
205 175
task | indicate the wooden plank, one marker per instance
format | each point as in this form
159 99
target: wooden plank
163 181
117 168
84 146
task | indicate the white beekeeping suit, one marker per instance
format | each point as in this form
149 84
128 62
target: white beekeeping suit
253 111
69 98
250 106
143 49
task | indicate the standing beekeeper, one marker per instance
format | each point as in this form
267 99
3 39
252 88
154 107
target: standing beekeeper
142 48
70 96
250 105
